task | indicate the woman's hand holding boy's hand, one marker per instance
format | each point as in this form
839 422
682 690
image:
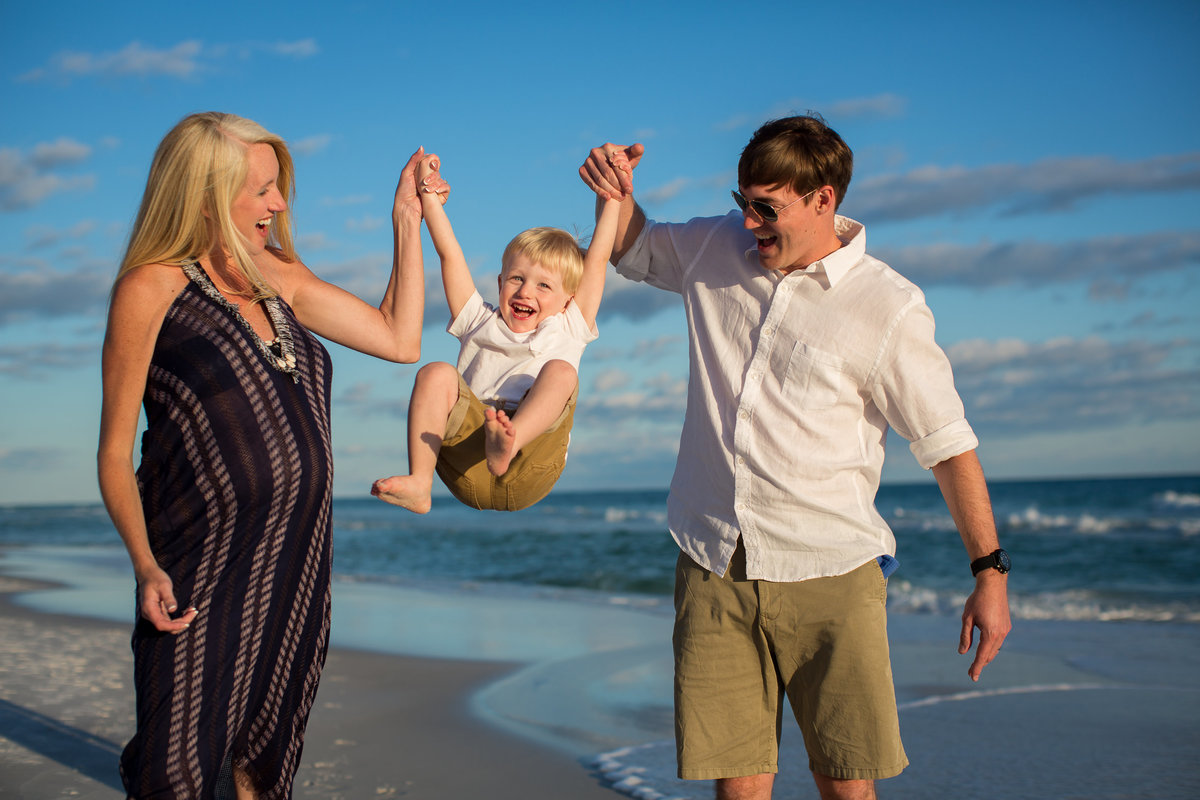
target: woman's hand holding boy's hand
429 178
407 203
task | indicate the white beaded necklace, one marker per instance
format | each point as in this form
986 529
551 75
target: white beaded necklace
280 352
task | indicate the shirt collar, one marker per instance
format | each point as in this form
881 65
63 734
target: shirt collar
835 265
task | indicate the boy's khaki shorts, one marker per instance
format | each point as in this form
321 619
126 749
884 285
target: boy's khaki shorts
822 641
462 465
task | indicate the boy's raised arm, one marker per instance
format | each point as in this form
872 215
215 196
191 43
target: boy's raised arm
456 275
595 263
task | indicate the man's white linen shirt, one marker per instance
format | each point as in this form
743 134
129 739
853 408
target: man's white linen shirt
500 364
794 380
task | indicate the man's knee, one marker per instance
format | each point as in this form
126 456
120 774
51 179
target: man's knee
835 789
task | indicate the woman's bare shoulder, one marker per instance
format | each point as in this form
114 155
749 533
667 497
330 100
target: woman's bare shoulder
149 289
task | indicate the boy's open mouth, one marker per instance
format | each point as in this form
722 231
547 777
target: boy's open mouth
521 312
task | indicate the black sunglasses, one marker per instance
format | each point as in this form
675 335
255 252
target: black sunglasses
766 211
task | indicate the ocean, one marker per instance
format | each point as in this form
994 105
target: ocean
1109 550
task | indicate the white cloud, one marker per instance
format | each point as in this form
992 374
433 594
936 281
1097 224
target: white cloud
41 236
310 144
1012 386
43 292
182 61
635 301
32 361
878 106
26 179
25 459
659 399
47 155
313 241
301 48
668 191
610 380
348 200
1033 263
364 224
1052 184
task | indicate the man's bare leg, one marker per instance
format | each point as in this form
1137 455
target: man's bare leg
543 404
750 787
435 392
834 789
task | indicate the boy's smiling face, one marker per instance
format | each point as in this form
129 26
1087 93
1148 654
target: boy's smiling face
529 294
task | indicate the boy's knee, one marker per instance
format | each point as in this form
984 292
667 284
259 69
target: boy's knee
559 370
438 371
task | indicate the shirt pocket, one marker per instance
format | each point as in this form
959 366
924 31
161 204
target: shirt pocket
814 378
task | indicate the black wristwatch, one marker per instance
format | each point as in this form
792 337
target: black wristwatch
997 560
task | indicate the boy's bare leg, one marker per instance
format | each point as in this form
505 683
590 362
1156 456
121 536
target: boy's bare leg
543 404
435 392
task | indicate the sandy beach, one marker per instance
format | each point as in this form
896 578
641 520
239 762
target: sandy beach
540 696
383 725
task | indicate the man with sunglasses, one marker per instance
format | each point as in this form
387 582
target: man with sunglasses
803 351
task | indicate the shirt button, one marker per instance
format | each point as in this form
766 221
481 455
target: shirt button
740 461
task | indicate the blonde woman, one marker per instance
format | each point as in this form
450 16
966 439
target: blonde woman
227 517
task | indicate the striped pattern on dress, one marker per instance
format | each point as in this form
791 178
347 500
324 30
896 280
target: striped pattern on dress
236 480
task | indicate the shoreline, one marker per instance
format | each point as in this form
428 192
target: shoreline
382 725
543 694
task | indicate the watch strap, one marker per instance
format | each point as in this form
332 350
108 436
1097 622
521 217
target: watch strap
997 560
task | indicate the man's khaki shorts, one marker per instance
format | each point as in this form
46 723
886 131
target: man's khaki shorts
462 464
740 645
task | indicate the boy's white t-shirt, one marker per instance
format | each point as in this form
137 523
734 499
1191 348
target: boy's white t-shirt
500 364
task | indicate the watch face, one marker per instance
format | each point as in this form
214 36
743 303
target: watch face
1004 563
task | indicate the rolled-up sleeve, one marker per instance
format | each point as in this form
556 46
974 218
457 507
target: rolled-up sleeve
952 440
915 390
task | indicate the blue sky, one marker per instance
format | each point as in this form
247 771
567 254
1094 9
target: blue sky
1035 167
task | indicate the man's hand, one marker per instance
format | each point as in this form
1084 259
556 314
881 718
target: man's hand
608 170
986 609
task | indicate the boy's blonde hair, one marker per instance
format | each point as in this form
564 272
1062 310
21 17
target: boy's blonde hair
554 249
197 171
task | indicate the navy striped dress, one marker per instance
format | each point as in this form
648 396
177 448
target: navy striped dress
236 477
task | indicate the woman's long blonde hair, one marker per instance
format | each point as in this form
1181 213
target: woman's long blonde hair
198 169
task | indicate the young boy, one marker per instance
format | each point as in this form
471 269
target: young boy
496 428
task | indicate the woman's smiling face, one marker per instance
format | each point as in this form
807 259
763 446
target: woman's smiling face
259 199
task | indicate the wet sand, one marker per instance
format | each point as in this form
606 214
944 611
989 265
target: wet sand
383 725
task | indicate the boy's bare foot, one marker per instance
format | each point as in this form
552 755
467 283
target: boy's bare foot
499 436
405 491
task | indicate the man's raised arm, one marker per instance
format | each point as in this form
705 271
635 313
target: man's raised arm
608 171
